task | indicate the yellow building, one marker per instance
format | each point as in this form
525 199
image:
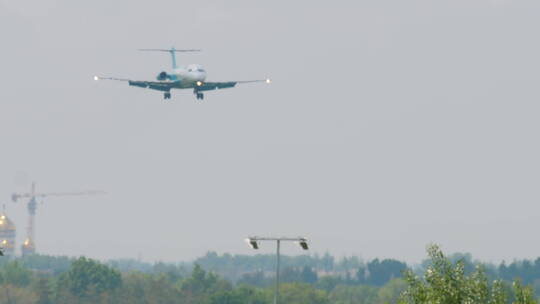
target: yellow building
7 235
28 247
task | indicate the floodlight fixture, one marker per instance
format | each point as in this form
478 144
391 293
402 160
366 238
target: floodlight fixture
252 243
303 243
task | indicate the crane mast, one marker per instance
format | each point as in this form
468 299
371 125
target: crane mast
29 247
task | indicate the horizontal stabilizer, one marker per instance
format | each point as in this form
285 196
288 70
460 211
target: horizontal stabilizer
171 51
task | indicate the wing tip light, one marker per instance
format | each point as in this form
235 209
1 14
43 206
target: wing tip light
268 80
96 78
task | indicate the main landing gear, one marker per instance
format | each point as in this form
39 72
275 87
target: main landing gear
167 95
199 95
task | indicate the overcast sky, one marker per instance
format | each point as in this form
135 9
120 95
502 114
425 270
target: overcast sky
389 125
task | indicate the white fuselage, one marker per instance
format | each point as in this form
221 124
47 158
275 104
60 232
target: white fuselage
192 73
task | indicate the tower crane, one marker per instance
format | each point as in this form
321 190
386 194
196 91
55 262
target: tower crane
29 246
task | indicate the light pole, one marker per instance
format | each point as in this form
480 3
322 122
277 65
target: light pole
253 243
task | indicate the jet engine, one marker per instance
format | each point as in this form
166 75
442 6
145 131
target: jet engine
163 76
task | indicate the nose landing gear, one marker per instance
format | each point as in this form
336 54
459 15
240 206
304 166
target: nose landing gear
199 96
167 95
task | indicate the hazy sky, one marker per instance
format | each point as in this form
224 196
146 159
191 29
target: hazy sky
389 125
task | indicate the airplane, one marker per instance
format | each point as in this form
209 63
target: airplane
191 76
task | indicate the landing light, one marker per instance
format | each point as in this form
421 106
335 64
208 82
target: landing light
268 80
199 83
96 78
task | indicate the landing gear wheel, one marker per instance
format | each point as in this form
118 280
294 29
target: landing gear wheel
200 96
167 95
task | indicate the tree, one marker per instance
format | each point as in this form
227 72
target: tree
255 279
139 288
13 294
15 274
390 292
327 262
328 283
380 272
523 294
88 277
308 275
447 282
289 274
360 294
49 264
202 281
202 285
301 293
173 272
43 291
304 274
241 295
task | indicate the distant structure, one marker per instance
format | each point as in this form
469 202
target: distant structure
29 246
7 235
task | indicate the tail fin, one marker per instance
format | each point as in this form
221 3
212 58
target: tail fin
172 51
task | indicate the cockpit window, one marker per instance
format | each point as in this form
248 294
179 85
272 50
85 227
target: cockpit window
195 69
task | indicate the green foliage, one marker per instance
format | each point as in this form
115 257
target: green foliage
329 283
327 262
255 279
446 282
17 275
304 274
523 294
365 294
233 267
13 294
173 272
52 265
241 295
301 293
360 294
391 292
202 281
43 291
526 271
139 288
202 285
88 277
380 272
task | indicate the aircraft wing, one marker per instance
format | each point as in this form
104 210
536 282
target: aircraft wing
209 86
154 85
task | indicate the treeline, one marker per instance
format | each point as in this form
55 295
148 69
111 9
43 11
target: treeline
375 273
440 279
324 271
258 270
87 281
